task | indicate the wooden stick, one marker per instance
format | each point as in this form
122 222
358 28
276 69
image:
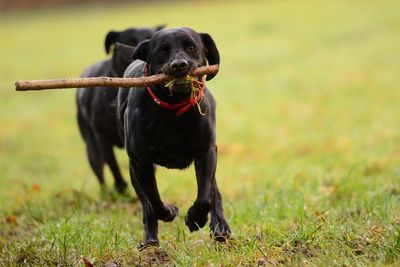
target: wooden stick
105 81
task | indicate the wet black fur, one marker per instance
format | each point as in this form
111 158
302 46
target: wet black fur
157 136
97 106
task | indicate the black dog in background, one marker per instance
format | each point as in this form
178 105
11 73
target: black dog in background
96 106
169 127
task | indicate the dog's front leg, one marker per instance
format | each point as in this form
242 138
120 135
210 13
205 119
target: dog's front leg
150 220
218 225
205 166
144 182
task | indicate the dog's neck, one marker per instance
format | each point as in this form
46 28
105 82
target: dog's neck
180 102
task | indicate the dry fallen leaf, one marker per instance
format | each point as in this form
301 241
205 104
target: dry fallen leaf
87 262
35 188
12 219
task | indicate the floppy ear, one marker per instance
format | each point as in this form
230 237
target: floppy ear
211 50
142 50
111 38
122 58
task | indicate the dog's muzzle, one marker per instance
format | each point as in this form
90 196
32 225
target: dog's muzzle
179 67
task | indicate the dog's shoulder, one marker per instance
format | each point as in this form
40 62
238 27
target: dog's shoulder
135 69
209 96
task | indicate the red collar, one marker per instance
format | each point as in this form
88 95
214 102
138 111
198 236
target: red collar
182 106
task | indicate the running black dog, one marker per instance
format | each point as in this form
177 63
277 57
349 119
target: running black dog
96 106
172 127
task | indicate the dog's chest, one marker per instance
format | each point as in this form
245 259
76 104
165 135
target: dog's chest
174 143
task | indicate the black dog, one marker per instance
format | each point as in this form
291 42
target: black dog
172 129
96 106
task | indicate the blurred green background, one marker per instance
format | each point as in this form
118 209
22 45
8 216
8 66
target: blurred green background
308 121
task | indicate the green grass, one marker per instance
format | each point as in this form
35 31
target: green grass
308 135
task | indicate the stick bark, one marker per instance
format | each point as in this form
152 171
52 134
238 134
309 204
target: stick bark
105 81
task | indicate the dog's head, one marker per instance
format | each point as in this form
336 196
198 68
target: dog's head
177 52
131 36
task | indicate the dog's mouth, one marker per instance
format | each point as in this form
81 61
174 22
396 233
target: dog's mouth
182 82
182 85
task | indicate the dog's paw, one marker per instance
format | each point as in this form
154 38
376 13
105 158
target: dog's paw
220 230
149 243
121 187
197 216
169 213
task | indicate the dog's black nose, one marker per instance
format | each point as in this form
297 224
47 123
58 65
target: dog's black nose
179 65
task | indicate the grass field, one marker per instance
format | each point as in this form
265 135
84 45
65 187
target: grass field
308 135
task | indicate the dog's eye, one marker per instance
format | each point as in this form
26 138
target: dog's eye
191 48
162 52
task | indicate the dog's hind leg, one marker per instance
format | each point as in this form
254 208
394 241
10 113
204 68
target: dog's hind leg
93 151
144 174
109 156
96 161
150 220
218 225
144 183
208 199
